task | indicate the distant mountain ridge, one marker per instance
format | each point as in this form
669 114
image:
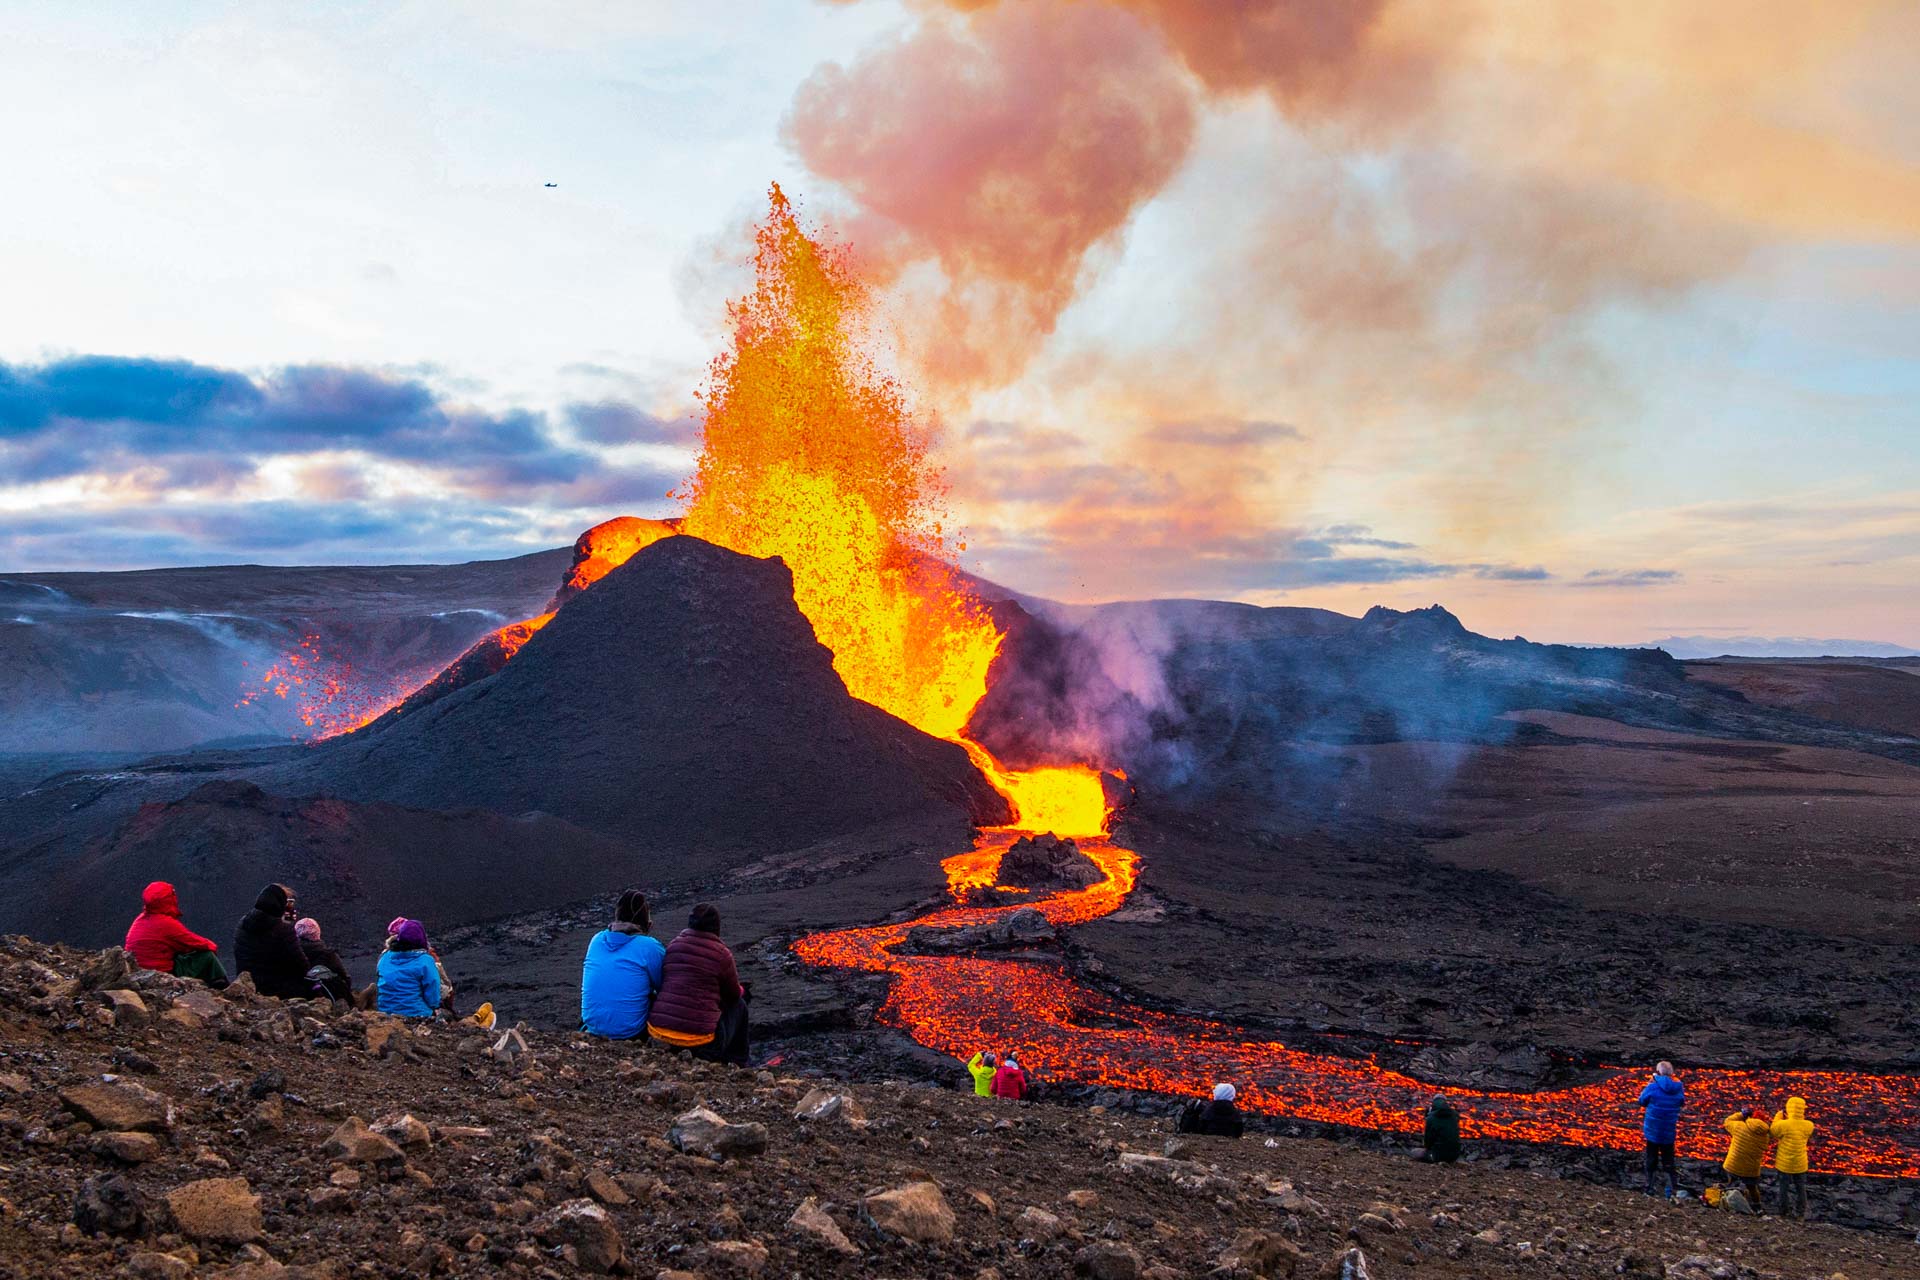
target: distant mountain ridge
1778 647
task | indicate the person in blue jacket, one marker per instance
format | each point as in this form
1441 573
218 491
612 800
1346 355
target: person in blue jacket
1663 1097
621 973
409 975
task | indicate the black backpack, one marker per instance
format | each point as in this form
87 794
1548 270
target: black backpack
1190 1116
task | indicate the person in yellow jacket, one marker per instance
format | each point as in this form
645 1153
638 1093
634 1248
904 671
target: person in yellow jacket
981 1068
1790 1131
1746 1149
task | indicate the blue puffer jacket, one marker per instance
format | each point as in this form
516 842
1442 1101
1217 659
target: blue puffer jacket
617 982
1663 1097
409 984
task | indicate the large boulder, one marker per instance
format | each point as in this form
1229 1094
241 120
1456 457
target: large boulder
1026 927
702 1132
589 1231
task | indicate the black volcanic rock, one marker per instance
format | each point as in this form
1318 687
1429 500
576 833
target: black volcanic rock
1047 862
682 703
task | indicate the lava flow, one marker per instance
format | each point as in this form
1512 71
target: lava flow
1065 1030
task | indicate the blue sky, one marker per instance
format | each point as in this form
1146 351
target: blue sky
1592 322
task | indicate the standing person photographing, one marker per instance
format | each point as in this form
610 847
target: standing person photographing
1663 1098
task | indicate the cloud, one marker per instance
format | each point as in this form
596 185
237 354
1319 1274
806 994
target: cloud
1626 578
616 422
109 460
1220 433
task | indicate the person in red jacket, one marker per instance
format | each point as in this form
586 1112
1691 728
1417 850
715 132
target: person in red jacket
702 1004
1010 1081
160 941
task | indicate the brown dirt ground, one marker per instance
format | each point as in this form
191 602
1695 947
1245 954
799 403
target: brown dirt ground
472 1206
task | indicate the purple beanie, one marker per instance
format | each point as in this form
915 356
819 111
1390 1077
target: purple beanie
410 931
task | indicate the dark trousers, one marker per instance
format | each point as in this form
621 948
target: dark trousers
1751 1186
203 965
1660 1155
1793 1190
729 1043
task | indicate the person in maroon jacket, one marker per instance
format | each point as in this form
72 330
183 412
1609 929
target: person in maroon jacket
159 940
702 1004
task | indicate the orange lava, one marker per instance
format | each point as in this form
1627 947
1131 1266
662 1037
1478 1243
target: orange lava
1068 1031
328 694
515 634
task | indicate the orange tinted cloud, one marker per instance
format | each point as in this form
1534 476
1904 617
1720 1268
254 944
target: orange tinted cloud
1001 148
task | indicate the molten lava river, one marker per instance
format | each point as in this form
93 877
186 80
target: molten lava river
1069 1031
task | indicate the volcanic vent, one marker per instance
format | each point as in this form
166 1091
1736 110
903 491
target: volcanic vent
682 702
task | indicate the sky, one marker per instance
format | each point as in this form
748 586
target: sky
1595 322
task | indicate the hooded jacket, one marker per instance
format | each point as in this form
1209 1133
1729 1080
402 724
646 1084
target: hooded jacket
1663 1097
1009 1081
617 981
1791 1131
982 1072
266 946
409 982
1441 1132
1748 1146
697 981
157 936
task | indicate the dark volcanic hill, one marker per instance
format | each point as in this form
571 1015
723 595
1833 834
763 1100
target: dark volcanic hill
683 701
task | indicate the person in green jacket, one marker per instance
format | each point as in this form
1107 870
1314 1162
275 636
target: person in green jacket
981 1068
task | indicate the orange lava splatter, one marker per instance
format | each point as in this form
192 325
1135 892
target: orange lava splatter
515 634
329 695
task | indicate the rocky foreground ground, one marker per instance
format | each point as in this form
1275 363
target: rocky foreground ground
154 1129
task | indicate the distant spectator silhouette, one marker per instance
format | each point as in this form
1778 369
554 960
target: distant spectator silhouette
1440 1133
1216 1117
981 1068
621 973
409 982
1009 1081
1746 1148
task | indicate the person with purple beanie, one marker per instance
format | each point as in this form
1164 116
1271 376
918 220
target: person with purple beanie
409 983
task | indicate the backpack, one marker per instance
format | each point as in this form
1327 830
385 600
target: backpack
1190 1116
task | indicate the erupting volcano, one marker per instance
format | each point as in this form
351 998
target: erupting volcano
813 453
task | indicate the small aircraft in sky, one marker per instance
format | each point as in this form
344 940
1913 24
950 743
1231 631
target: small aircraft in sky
553 184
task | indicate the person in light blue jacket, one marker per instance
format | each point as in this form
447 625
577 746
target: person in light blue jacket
621 973
409 975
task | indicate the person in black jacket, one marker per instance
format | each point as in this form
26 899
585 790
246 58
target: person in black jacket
325 969
1441 1134
266 946
1217 1119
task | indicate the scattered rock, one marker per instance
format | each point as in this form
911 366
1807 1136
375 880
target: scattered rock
1023 928
109 1204
128 1148
1262 1253
586 1228
744 1257
1107 1260
1034 1223
1354 1266
1083 1199
826 1104
404 1130
355 1142
603 1188
128 1009
810 1220
121 1106
703 1133
916 1211
219 1209
1047 862
158 1266
511 1049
